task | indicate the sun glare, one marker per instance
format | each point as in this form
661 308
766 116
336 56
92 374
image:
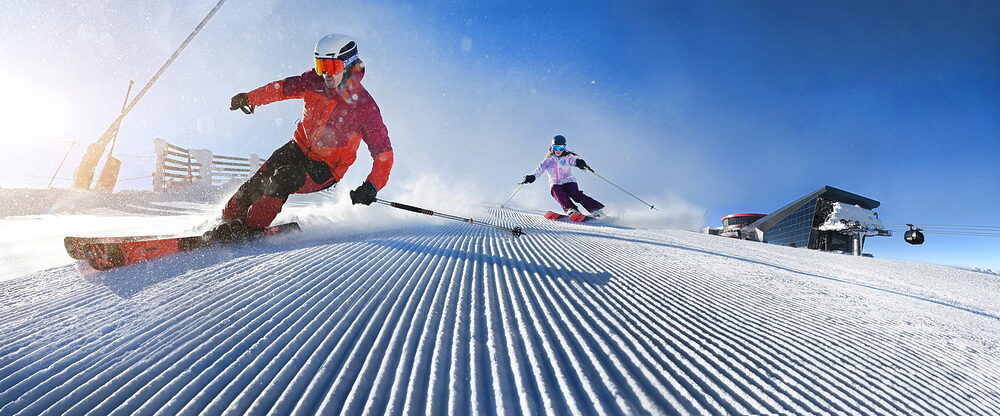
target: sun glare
32 115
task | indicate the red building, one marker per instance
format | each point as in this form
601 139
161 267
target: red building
732 223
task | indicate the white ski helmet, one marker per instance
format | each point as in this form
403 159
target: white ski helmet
334 54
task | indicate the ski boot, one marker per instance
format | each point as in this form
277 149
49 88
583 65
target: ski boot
232 231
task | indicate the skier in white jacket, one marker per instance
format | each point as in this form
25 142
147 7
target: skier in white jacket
559 163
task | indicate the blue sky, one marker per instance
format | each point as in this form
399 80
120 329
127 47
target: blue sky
727 106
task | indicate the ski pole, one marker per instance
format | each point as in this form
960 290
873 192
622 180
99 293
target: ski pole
622 189
512 195
517 231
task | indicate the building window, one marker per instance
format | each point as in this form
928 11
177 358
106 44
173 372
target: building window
795 229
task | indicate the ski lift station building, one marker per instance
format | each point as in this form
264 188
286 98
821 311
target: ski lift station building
827 219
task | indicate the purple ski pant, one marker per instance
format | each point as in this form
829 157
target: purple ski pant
568 192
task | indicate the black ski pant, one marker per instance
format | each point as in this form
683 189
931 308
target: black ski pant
287 171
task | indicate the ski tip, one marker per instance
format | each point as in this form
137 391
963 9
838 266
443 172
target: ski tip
72 248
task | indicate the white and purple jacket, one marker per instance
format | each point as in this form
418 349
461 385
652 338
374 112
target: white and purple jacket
559 168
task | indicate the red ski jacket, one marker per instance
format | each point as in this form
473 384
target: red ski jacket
334 122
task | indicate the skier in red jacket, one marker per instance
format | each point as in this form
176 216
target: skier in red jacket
338 115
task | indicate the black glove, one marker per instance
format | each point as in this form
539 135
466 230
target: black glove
582 165
240 102
365 194
528 179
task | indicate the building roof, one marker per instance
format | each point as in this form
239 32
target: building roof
742 215
827 192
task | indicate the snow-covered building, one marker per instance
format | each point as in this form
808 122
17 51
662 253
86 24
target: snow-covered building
828 219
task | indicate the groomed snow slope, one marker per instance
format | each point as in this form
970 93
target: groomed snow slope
449 318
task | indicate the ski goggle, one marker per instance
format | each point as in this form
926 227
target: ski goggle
333 66
558 148
329 66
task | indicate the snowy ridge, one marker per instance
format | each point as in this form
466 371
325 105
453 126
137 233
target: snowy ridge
450 318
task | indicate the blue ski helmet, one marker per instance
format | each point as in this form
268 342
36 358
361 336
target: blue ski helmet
559 140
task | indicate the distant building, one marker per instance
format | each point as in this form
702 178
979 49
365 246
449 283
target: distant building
732 224
828 219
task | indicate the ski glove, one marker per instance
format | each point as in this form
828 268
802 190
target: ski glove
365 194
528 179
241 102
582 165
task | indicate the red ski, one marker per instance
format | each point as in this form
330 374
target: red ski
103 253
575 217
